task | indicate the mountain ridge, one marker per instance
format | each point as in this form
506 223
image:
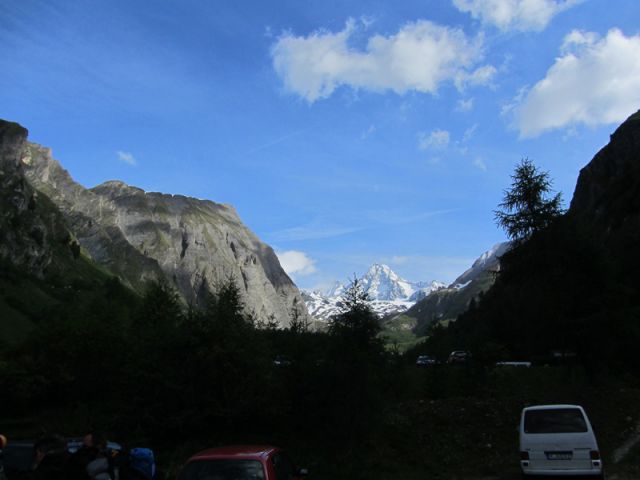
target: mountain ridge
389 293
195 245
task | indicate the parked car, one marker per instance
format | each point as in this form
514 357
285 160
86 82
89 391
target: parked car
458 357
249 462
425 361
558 440
282 361
514 364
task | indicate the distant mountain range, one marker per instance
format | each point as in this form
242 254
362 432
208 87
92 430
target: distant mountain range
389 294
406 305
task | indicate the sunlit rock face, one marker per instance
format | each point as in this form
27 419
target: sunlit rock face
194 244
33 235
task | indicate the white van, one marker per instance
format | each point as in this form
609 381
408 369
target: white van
558 440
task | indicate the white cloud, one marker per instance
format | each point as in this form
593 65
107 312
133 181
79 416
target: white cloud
294 262
469 133
368 132
464 105
127 157
419 57
521 15
435 140
595 81
479 164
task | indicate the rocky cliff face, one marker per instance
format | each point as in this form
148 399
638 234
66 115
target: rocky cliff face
607 198
607 194
194 244
33 234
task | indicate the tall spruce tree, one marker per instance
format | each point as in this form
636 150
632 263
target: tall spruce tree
526 207
357 321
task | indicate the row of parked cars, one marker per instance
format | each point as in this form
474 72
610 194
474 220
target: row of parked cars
461 357
554 440
243 462
457 357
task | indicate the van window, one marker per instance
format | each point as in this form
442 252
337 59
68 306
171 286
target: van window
559 420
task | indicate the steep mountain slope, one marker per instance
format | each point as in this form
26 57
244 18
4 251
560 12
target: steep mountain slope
194 244
607 197
447 303
40 259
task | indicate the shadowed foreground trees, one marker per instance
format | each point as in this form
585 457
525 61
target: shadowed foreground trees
146 365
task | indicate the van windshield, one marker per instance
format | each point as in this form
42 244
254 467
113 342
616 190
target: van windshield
559 420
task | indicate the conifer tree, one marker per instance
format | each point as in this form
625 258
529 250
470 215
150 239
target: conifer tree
526 207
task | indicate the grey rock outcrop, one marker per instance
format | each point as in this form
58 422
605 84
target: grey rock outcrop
33 234
193 244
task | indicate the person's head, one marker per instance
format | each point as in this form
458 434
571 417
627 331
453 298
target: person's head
3 441
95 440
49 445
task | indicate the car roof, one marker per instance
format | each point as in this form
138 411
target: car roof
257 452
550 407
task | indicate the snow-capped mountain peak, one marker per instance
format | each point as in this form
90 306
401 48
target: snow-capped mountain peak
382 283
389 293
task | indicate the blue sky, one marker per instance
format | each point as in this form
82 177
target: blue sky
344 133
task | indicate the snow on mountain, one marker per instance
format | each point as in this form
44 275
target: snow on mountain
389 294
336 290
382 283
488 260
425 289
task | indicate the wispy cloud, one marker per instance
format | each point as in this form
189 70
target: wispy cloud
127 158
313 231
464 105
469 133
368 132
400 217
434 140
420 57
479 164
276 141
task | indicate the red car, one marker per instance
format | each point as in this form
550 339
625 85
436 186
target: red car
241 462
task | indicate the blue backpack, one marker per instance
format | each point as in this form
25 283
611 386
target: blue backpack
143 462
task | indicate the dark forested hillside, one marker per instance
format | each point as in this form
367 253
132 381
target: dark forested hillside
571 287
